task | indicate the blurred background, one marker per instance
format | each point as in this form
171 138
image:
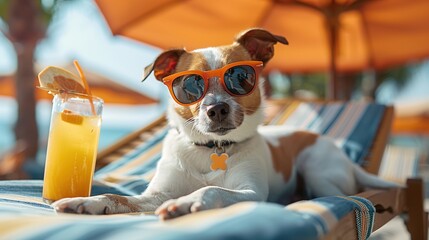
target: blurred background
67 31
339 50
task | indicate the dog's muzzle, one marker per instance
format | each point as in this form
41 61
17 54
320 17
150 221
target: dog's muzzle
218 112
219 118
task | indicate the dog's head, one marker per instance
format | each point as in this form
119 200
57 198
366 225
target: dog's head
227 106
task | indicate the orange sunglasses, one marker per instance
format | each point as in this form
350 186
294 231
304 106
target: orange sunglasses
238 79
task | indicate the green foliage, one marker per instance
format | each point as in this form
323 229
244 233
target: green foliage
46 11
315 83
4 5
399 74
286 85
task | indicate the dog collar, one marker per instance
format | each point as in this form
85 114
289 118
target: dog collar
217 144
212 143
219 156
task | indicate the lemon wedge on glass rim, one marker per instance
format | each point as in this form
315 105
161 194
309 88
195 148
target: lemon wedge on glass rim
58 80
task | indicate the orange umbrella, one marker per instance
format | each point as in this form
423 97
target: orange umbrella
334 35
108 90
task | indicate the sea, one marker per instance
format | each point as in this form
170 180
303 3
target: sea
117 122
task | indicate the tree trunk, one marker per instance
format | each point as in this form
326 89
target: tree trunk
345 87
26 126
370 82
26 29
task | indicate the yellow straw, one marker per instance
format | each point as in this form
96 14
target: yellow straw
85 84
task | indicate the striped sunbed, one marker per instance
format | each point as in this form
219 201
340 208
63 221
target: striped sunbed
399 163
352 125
128 166
25 217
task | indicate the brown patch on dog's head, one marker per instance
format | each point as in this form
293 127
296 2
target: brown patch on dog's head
235 53
188 112
252 102
164 65
253 44
190 61
173 61
260 43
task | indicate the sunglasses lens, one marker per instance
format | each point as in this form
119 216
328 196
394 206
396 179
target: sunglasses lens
240 80
188 88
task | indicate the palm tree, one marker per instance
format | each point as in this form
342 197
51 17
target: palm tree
25 24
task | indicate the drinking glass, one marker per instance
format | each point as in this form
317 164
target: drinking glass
72 146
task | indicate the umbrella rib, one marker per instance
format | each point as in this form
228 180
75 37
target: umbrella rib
368 40
304 4
353 6
357 4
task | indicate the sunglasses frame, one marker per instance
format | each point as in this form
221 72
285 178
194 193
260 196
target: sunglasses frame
206 75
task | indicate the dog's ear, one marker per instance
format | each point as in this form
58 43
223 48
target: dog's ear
260 43
164 64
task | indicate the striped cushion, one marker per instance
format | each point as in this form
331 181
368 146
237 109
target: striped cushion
399 163
352 125
325 212
132 172
24 216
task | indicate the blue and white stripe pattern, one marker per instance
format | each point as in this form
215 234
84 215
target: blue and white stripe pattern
399 163
352 125
23 215
27 217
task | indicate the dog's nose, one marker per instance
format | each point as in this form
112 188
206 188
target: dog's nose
218 112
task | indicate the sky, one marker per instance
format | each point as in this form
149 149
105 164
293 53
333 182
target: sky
80 32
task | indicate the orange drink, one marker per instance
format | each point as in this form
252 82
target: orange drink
72 146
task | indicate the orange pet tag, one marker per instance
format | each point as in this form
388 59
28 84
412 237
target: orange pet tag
218 161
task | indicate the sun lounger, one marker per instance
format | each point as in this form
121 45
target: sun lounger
360 129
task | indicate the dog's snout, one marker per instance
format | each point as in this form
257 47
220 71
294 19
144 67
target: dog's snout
218 112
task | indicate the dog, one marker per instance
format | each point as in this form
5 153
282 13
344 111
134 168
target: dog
215 153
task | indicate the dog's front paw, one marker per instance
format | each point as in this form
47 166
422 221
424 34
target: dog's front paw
83 205
179 207
102 204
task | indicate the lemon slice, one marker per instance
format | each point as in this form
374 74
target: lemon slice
58 80
55 79
70 117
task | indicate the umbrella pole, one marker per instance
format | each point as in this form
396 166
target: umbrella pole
332 87
332 21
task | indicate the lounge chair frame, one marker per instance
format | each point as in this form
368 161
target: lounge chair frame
408 200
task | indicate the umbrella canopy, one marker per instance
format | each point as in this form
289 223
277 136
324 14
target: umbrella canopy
108 90
324 35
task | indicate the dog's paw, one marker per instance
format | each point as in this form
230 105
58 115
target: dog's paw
179 207
83 205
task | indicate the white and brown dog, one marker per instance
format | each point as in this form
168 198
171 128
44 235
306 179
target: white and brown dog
216 154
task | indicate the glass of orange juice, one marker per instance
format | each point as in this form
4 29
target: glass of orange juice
72 146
